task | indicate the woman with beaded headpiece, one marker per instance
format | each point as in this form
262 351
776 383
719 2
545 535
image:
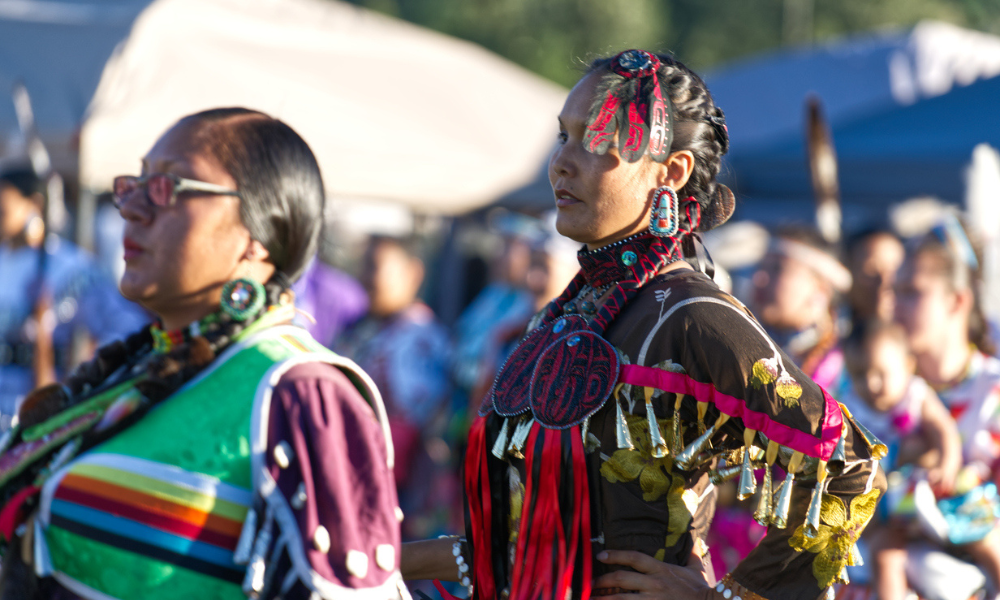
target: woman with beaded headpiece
591 469
221 452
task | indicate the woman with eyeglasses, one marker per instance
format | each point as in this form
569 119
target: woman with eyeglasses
221 452
592 467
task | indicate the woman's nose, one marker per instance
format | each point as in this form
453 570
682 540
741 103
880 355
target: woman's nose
135 207
560 163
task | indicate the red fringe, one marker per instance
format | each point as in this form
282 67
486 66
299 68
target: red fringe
544 562
477 486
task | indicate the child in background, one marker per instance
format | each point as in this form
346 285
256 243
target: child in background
903 411
898 406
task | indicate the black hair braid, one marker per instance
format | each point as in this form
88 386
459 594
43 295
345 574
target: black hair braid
693 131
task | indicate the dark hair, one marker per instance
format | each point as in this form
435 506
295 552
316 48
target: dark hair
866 331
409 246
694 111
857 240
807 235
23 179
278 178
959 275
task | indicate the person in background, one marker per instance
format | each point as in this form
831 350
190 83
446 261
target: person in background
503 303
873 257
795 289
406 351
900 408
897 405
47 309
937 303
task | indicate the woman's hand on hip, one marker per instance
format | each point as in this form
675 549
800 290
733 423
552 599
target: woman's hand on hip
653 579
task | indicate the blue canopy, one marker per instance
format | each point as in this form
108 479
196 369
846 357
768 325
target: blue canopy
902 124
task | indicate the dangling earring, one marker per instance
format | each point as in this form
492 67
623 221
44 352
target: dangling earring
664 219
242 298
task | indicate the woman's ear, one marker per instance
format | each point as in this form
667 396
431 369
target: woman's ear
677 169
256 252
254 263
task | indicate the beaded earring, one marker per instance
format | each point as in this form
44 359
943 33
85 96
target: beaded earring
242 298
664 219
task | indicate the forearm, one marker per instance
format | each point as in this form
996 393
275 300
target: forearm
429 559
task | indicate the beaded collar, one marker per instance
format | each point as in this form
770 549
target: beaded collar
624 266
615 262
165 341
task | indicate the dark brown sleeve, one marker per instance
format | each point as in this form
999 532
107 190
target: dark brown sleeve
777 570
724 348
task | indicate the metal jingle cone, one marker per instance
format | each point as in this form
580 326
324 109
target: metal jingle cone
839 453
500 446
748 482
784 502
724 474
677 437
875 446
811 528
763 513
685 460
622 434
854 559
520 436
657 443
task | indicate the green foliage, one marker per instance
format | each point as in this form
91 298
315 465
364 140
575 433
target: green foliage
556 37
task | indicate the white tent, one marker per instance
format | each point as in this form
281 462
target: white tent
393 112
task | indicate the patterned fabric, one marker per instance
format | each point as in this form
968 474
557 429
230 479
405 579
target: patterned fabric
153 511
975 404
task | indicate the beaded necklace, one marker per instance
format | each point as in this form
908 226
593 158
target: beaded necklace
164 341
624 267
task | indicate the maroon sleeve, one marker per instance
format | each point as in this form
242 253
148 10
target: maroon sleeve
327 452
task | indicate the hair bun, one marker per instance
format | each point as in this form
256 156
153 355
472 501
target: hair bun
720 209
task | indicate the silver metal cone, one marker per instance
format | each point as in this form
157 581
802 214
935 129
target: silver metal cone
784 502
686 458
659 444
812 515
500 446
748 481
624 437
724 474
763 513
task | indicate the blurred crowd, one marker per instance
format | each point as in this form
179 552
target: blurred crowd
892 327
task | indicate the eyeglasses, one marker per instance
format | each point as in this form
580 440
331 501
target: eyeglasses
161 189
